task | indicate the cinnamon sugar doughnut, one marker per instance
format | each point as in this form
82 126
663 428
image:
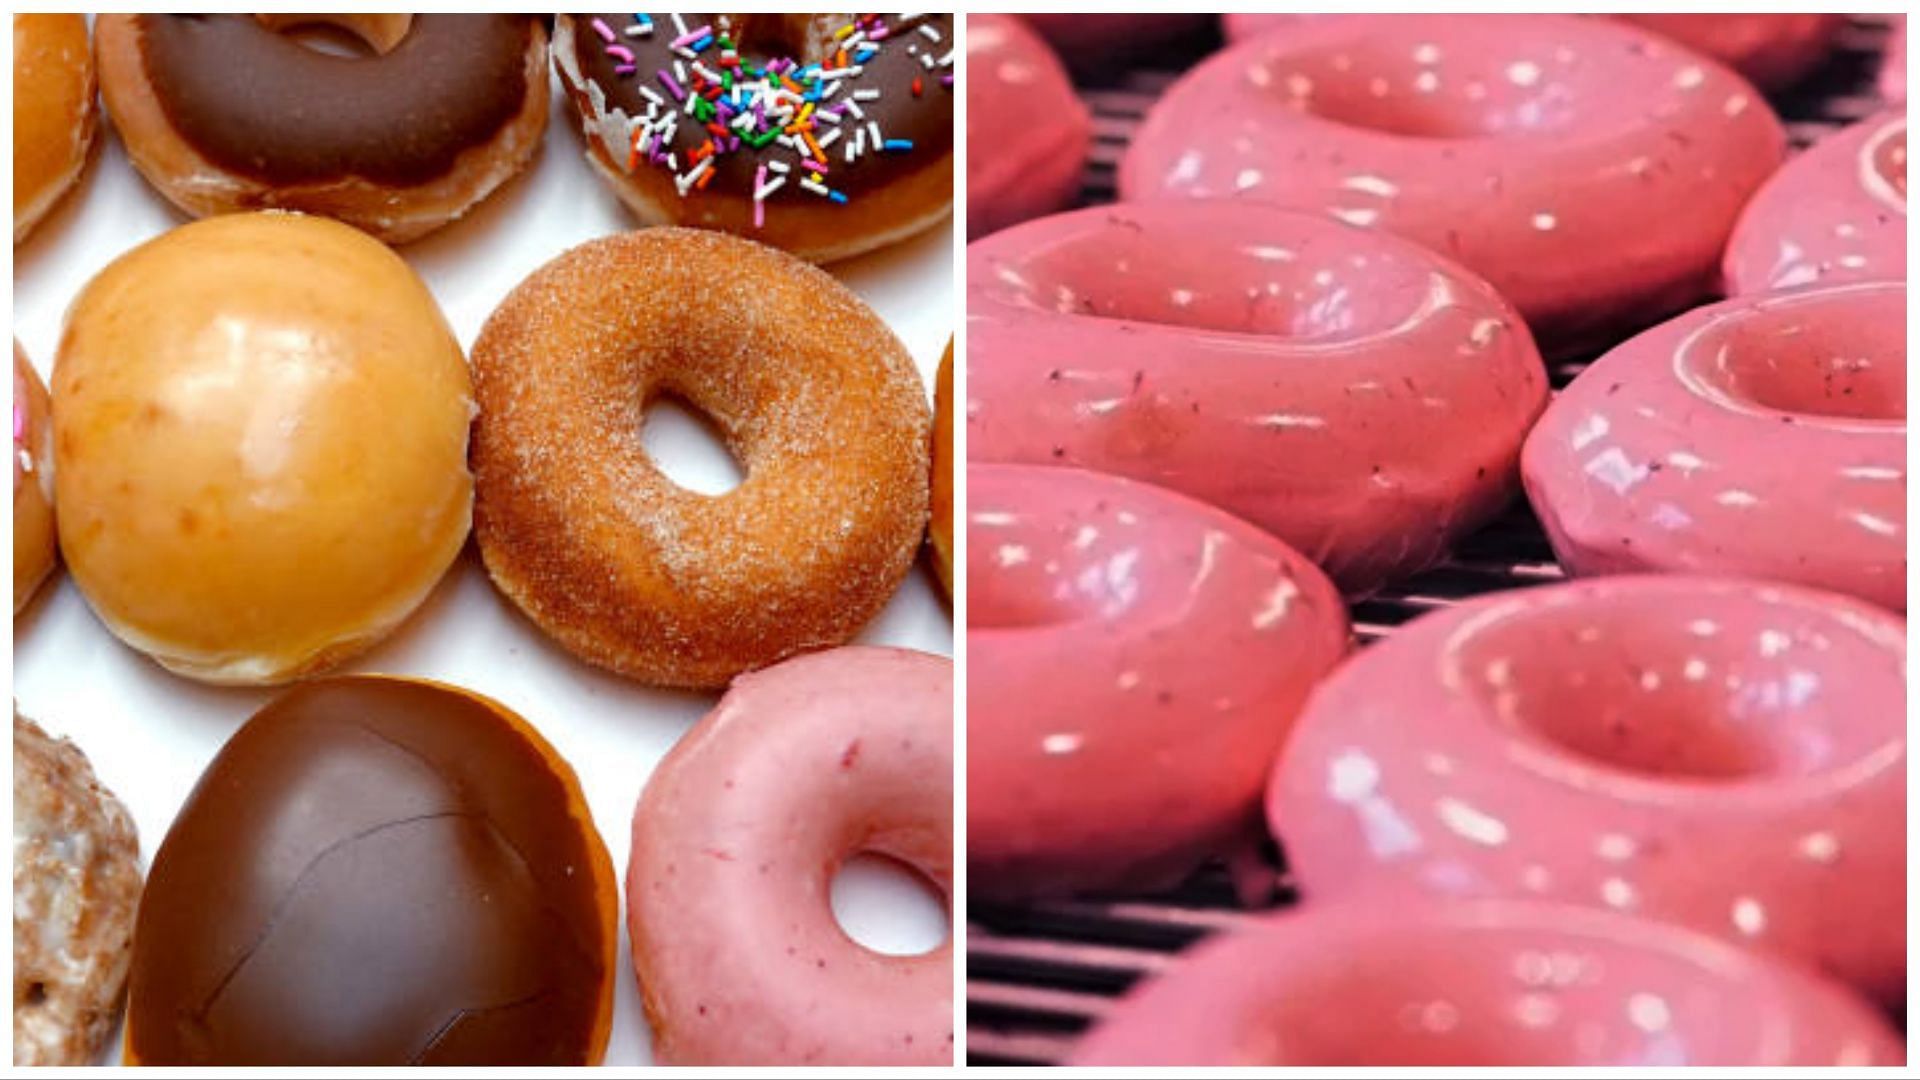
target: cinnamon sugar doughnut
940 530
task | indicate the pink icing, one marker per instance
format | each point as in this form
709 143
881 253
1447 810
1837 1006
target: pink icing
1893 69
1836 213
1027 132
1773 50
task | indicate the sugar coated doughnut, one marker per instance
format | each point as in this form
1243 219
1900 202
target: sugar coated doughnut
1722 754
34 550
1765 436
1773 50
313 406
815 397
940 526
1515 144
1137 659
1353 394
736 841
1836 213
1028 131
53 112
824 135
225 112
1485 984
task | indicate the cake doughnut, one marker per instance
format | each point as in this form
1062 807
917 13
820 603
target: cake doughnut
223 113
313 404
53 112
1137 660
1515 144
1765 437
1028 129
1836 213
1355 395
1773 51
1483 984
824 135
1717 753
736 841
76 883
34 551
1893 65
815 397
940 526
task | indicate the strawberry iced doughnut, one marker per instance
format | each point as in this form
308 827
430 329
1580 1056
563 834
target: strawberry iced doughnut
1721 754
1763 437
1087 39
1137 659
1524 146
1771 50
1484 984
1836 213
1354 394
1240 25
1893 66
1027 132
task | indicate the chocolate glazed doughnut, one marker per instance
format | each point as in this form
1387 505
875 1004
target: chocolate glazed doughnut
222 113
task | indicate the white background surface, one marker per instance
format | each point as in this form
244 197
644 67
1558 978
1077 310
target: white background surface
150 734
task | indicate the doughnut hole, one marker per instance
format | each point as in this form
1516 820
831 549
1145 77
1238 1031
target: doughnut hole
357 37
689 447
887 906
1852 368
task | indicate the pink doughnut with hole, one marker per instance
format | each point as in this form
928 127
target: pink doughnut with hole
1836 213
1772 50
1523 146
1762 437
1722 754
1893 66
1352 393
1135 660
1027 132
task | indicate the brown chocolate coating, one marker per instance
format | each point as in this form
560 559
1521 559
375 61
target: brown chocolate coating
261 105
376 871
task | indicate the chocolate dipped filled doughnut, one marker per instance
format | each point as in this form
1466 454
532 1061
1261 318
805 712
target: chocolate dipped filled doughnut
224 113
940 525
1836 213
34 550
824 135
1027 130
53 112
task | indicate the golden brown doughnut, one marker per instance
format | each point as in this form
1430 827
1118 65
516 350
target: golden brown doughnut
814 396
261 427
941 528
33 541
53 112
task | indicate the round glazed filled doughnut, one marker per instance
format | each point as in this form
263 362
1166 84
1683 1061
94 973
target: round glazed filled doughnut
313 404
814 396
1028 130
1347 391
1836 213
378 871
1721 754
34 550
1515 144
736 841
1772 50
224 112
1483 984
940 526
53 112
1763 437
1137 660
824 135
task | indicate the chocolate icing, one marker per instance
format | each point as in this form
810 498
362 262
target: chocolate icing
263 106
373 871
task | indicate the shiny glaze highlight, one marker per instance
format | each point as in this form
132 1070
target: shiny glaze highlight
1835 214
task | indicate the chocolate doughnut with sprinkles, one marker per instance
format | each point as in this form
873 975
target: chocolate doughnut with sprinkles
824 135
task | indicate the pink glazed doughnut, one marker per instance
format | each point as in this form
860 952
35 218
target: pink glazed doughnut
1486 984
737 839
1136 660
1355 395
1524 146
1893 67
1773 51
1722 754
1092 37
1762 437
1027 132
1836 213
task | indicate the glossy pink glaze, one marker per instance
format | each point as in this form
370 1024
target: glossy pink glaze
1351 393
736 841
1893 67
1485 984
1523 146
1135 659
1726 755
1764 437
1836 213
1027 131
1773 50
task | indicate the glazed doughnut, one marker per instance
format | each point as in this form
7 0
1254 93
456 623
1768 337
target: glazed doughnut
736 841
33 540
1893 66
1834 214
940 527
1720 754
282 531
1091 40
1138 658
1483 984
1355 395
1762 437
53 112
1240 25
1519 145
824 135
815 397
1773 50
223 113
1028 129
